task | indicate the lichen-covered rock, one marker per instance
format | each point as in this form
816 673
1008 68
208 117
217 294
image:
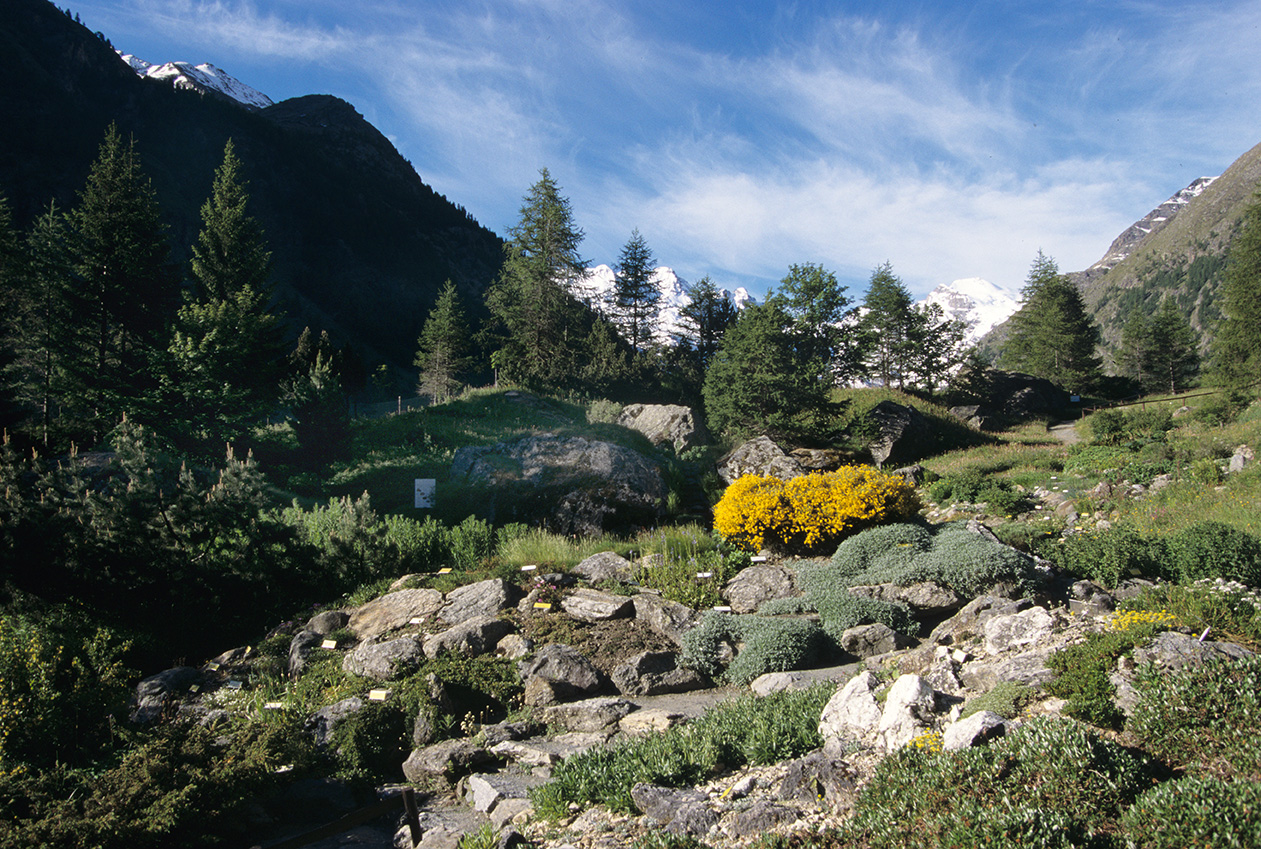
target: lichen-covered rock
484 598
665 424
588 715
587 605
655 673
974 730
1003 633
447 757
900 430
558 672
668 618
474 636
384 660
321 724
871 640
908 711
755 584
605 566
853 712
393 610
758 456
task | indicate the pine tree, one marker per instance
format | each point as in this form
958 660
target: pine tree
227 348
1051 335
888 329
127 290
1237 347
536 321
818 307
443 347
635 295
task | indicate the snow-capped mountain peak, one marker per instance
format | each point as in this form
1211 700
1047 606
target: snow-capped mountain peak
975 301
1125 244
203 77
597 286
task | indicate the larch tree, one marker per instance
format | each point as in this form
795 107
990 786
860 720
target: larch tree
888 329
635 294
1237 346
703 321
1160 352
442 351
1051 335
534 316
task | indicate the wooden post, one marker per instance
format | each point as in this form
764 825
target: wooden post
413 815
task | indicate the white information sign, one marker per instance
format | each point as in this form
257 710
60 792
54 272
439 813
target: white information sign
424 492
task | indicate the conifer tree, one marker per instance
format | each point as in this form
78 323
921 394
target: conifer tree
635 295
888 329
127 286
1051 335
443 347
1237 347
818 307
704 319
1160 352
231 252
535 320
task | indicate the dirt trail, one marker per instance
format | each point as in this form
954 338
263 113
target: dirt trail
1065 432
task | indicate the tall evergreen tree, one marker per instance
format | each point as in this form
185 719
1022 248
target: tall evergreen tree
1237 347
227 348
1161 353
888 328
127 290
443 347
1051 335
939 347
635 295
704 319
535 320
817 306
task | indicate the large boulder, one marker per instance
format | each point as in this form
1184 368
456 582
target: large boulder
605 566
665 424
852 713
155 692
756 584
484 598
393 610
588 605
758 456
570 485
908 711
381 661
654 673
475 636
558 672
668 618
1011 397
901 433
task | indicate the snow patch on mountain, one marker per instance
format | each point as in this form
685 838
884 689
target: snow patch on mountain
598 285
203 77
1125 244
976 302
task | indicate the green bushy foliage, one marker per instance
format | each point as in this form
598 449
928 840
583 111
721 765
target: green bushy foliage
1082 671
1225 609
855 554
1216 550
1205 471
1107 427
748 730
1051 783
1204 719
840 609
1195 812
680 555
603 411
1007 699
972 487
769 645
1114 427
1112 555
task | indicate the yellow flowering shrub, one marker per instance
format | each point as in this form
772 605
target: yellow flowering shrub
1128 619
811 511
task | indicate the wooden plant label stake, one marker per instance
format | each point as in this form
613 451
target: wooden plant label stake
212 666
700 575
721 608
758 558
235 685
529 568
445 571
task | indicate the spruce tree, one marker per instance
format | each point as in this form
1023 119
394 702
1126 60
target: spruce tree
227 348
535 321
127 287
1051 335
1160 353
443 347
939 347
888 329
1237 347
635 294
704 319
817 306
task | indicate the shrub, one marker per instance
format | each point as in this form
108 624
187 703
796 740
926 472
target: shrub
1221 607
1007 699
1216 550
1107 427
603 411
1204 719
1111 555
975 488
1205 471
811 511
1195 812
855 554
769 645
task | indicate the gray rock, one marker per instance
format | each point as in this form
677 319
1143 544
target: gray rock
775 682
756 584
472 637
154 693
301 647
870 640
1003 633
321 724
1023 668
514 647
757 819
668 618
923 596
900 430
655 673
492 735
1241 459
1173 650
571 485
327 621
665 424
447 757
485 791
853 712
425 726
605 566
693 819
587 605
484 598
980 727
1090 599
380 661
564 671
640 723
661 803
908 711
758 456
588 715
820 780
394 610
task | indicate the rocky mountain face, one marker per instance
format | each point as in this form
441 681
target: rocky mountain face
361 245
976 302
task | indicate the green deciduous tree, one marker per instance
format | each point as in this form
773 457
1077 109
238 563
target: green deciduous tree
759 383
635 295
1051 335
1237 347
443 347
127 287
535 319
1160 352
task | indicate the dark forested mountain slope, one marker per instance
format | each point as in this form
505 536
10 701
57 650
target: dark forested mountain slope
361 244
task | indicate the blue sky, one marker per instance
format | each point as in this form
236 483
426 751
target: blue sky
950 139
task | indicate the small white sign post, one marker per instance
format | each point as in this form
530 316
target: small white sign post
424 492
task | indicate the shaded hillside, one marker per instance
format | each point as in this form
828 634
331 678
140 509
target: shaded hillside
361 244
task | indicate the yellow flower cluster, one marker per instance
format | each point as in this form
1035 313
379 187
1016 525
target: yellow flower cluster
929 741
1134 618
811 511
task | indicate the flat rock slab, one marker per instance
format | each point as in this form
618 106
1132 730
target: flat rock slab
394 610
471 637
449 756
484 598
641 723
605 566
587 605
381 661
485 791
588 715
